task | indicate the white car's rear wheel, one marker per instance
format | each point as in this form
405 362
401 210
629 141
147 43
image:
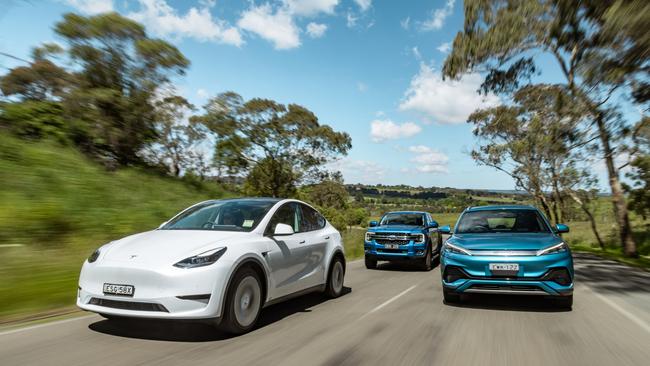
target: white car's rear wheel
244 302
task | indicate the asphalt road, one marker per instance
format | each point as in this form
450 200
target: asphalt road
390 316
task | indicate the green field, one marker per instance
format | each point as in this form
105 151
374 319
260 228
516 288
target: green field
56 207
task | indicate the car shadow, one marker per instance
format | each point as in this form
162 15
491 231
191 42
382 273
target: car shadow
189 331
406 266
528 303
603 275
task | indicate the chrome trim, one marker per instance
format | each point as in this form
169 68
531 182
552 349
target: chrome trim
506 292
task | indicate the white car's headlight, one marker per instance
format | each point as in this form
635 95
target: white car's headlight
557 248
451 248
203 259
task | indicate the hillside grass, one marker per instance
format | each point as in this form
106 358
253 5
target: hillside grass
57 206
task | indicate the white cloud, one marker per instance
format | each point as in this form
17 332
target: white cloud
445 102
91 6
416 53
364 4
202 93
351 20
405 23
382 130
438 17
362 86
359 171
316 30
198 23
277 27
445 47
429 160
310 7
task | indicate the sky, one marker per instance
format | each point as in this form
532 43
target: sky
370 68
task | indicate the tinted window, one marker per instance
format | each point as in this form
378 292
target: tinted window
287 214
403 219
492 221
230 215
311 219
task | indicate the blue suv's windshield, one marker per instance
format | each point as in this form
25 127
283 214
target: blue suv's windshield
411 219
508 221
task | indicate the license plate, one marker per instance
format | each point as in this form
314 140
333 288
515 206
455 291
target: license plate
120 290
504 267
391 246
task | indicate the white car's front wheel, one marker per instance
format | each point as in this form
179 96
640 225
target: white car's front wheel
243 303
335 279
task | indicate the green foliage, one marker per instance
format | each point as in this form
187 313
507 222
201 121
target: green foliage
271 178
264 133
34 119
329 193
41 80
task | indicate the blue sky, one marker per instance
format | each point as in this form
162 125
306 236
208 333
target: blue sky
367 67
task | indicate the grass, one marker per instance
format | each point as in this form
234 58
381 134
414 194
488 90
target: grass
56 207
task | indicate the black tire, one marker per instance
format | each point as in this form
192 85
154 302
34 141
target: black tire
564 302
450 296
371 263
335 278
427 261
245 291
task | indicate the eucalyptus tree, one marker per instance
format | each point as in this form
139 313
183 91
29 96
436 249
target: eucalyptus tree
600 47
275 146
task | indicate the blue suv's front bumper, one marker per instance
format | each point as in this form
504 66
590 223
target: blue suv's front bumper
550 274
380 252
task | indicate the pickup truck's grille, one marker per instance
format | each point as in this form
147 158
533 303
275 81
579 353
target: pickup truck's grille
395 238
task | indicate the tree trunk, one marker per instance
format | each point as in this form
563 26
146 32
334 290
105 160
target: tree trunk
557 196
618 198
592 219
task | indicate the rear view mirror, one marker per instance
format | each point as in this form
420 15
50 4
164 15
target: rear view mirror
282 229
373 223
444 229
561 228
432 225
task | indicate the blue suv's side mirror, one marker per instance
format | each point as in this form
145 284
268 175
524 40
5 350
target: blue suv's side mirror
561 228
444 229
373 223
432 225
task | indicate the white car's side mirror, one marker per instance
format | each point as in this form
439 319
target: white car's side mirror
283 229
163 224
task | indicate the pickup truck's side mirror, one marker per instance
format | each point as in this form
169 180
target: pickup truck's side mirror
373 223
561 228
433 225
444 229
282 230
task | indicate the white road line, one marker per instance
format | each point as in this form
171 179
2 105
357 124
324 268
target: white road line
390 300
11 245
636 320
18 330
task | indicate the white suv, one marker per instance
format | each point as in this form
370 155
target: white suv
221 261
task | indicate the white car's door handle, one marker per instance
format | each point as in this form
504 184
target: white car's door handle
302 242
327 237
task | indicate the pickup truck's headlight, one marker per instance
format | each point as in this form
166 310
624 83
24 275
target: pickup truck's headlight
93 257
451 248
368 236
419 238
557 248
203 259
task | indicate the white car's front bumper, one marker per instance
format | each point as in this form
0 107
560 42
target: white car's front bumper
157 294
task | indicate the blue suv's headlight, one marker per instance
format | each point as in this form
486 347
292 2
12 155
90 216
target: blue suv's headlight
368 236
451 248
418 238
557 248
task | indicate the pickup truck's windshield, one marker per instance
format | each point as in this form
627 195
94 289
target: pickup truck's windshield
231 215
411 219
509 221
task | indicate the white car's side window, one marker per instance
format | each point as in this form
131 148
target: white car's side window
287 214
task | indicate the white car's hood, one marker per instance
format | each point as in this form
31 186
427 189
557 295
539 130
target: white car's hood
162 247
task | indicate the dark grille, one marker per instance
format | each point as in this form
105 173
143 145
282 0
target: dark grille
128 305
399 251
388 241
504 287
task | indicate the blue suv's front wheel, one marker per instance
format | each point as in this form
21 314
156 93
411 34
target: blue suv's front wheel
371 263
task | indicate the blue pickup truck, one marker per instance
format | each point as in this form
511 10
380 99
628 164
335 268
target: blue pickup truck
404 236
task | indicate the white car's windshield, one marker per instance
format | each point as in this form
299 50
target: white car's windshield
227 215
411 219
509 221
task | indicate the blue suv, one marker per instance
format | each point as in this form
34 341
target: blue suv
402 236
506 250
